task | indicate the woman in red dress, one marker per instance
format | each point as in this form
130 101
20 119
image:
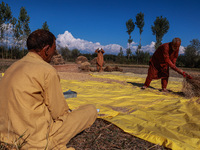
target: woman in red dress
163 58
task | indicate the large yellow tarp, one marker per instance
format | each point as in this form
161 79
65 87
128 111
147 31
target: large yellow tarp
166 119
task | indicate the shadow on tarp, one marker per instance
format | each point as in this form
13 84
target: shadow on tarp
140 85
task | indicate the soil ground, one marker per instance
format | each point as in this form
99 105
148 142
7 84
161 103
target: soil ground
103 135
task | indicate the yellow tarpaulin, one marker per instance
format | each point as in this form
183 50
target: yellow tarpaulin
166 119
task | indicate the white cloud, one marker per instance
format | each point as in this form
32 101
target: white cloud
9 40
68 40
149 48
8 35
181 50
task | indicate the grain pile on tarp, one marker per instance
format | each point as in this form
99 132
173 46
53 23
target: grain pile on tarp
191 87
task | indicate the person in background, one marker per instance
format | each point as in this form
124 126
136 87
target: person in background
164 57
100 60
32 104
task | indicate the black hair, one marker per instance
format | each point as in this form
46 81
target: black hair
38 39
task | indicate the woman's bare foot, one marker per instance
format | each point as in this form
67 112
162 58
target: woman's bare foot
165 90
144 87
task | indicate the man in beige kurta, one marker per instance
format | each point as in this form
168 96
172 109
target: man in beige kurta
100 60
32 103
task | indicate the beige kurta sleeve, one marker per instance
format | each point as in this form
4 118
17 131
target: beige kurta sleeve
54 98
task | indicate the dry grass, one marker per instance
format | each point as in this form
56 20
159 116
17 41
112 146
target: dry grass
5 63
103 135
17 145
191 87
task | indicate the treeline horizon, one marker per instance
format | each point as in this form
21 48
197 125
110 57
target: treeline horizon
18 30
191 57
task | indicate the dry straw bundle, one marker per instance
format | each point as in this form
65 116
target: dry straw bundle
191 87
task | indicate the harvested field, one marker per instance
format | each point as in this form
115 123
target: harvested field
103 135
5 63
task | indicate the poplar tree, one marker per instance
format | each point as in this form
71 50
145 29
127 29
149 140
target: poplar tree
140 24
130 27
13 23
23 25
17 34
160 28
121 53
5 18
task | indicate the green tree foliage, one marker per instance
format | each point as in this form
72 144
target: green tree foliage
13 24
45 26
130 27
143 57
5 13
23 24
128 53
5 18
120 57
65 52
160 28
17 34
109 58
140 24
192 51
75 53
90 56
121 53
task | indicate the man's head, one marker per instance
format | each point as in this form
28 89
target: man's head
43 43
176 43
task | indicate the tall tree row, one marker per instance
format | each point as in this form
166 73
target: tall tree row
23 21
5 18
130 27
159 29
13 30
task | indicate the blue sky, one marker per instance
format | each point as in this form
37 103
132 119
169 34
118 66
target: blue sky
89 24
